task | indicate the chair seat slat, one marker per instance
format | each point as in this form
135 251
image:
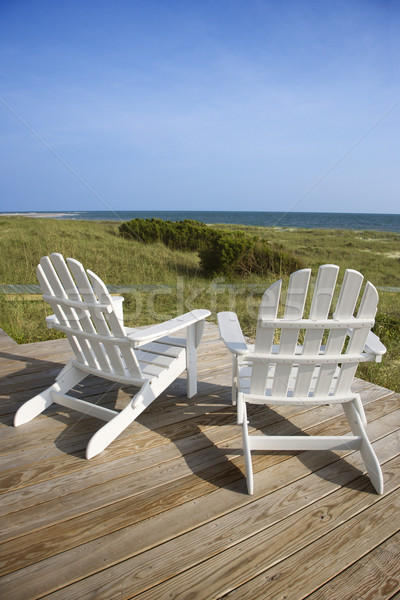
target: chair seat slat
151 369
155 359
159 347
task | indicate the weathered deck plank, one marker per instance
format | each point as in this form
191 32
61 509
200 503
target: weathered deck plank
376 575
164 511
268 516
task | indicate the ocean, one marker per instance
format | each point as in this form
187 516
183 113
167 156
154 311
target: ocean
308 220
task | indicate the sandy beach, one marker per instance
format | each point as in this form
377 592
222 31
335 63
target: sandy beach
35 215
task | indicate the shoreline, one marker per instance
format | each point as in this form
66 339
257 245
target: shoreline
36 215
377 222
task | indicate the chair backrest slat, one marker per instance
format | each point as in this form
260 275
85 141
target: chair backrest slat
78 291
76 347
349 292
320 307
66 315
308 367
92 314
295 301
92 319
265 337
358 337
116 328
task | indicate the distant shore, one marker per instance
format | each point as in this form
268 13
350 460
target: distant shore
280 220
35 215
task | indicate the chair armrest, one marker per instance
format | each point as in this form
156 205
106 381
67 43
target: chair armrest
374 347
231 333
51 321
118 308
154 332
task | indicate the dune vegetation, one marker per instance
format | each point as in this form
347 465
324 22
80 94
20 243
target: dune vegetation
166 281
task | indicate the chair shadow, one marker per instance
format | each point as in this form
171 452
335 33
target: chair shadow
206 459
216 467
19 386
73 439
324 463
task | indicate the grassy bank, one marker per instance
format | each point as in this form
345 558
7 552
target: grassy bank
183 287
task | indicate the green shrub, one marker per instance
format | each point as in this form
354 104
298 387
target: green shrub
223 252
239 254
387 327
180 235
220 252
386 373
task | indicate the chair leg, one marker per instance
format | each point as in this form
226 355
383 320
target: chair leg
191 361
367 452
361 410
247 452
241 408
106 434
67 378
193 338
235 375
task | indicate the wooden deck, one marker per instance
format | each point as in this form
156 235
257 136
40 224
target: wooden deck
164 513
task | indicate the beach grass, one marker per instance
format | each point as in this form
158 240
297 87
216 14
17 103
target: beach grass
177 280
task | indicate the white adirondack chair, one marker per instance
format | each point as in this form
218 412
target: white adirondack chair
316 371
92 320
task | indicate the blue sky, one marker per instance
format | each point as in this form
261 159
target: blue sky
197 104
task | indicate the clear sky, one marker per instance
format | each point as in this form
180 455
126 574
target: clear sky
200 104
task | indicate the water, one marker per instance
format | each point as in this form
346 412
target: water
374 222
